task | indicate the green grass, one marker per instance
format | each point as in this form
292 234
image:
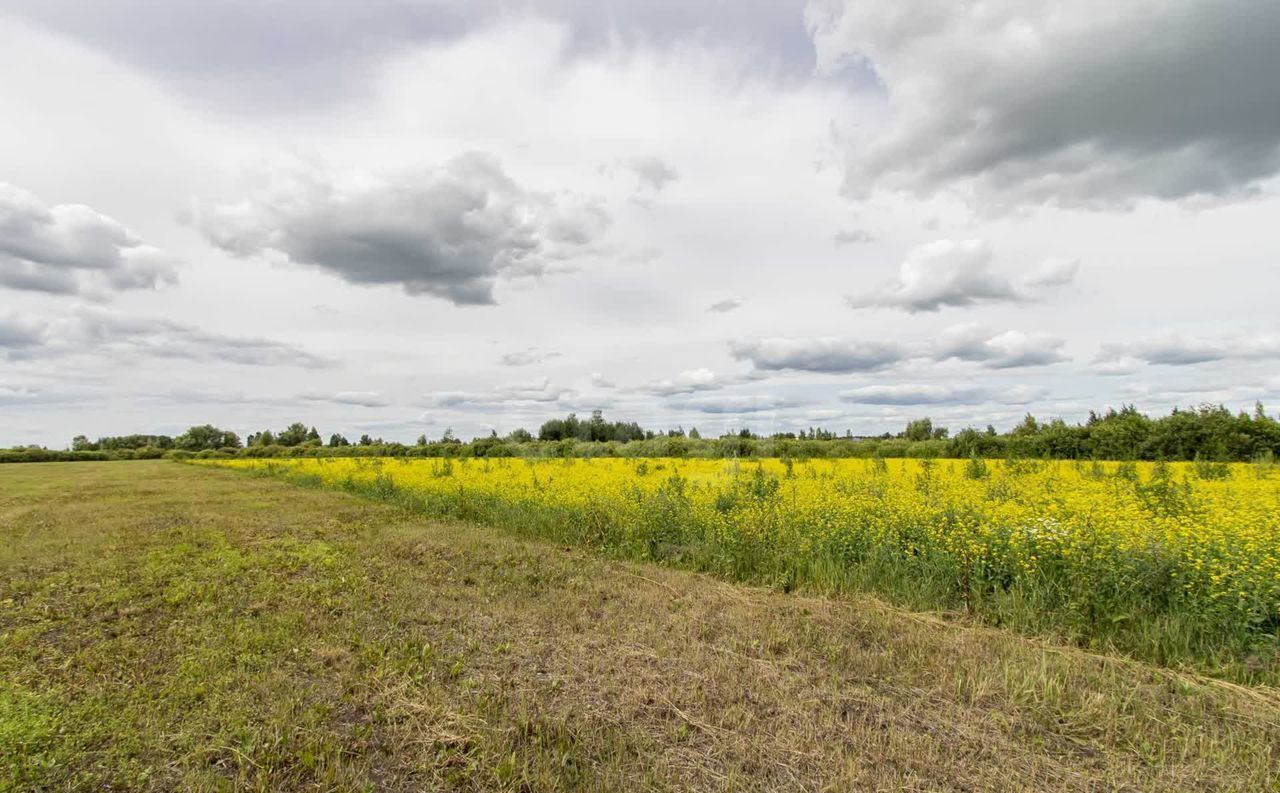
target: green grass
164 627
1113 602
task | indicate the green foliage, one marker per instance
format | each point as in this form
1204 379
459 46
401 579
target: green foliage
595 429
206 436
976 468
1208 434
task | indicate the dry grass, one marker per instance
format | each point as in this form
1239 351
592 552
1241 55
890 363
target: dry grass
165 627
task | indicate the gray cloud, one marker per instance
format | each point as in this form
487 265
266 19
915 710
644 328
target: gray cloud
852 237
967 342
1008 350
304 53
100 332
19 337
731 404
1196 394
653 173
16 394
527 357
725 306
1079 104
924 394
537 391
687 382
365 399
72 249
451 232
829 355
1116 365
1050 274
1173 349
957 274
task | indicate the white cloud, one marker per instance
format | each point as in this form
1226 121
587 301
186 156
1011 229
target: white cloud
72 249
536 391
1175 349
1008 350
687 382
966 342
830 355
956 274
1118 366
1051 273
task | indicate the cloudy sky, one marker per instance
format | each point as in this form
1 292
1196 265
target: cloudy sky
402 217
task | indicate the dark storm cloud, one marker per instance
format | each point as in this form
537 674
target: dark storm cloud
285 53
451 232
1082 104
72 249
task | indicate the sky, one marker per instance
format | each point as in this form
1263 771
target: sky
401 218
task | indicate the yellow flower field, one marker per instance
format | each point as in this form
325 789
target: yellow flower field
1171 562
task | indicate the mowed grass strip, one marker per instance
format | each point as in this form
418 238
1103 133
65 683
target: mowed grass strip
164 627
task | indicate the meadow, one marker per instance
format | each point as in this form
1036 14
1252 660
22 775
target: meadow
1178 563
165 627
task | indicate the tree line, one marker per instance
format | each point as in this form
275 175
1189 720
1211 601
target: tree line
1206 432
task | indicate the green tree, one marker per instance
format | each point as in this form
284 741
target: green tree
919 430
206 436
293 435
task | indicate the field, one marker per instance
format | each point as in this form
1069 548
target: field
1178 564
171 627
